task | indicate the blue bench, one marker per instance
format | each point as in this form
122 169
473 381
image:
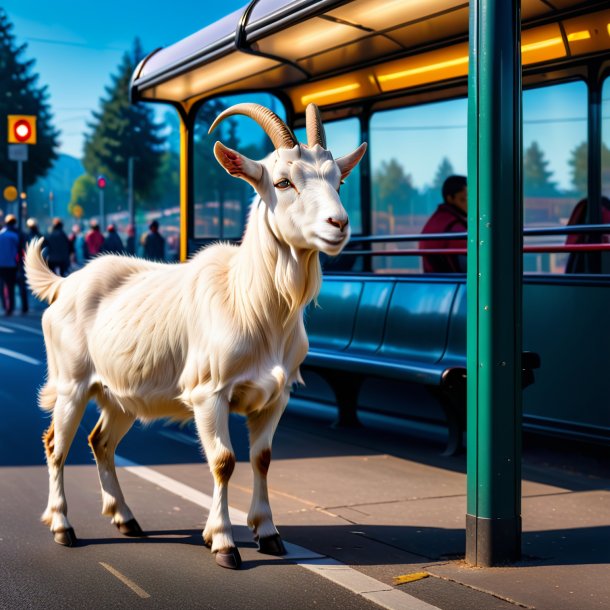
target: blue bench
410 329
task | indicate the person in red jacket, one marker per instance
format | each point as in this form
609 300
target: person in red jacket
449 217
93 240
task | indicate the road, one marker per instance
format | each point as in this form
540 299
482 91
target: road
170 567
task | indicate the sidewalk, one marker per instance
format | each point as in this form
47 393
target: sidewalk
388 506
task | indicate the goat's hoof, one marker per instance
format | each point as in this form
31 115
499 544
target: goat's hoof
229 558
271 545
65 537
131 528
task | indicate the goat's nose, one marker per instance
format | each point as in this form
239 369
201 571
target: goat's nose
340 224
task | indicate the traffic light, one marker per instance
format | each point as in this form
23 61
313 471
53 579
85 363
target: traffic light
21 129
101 182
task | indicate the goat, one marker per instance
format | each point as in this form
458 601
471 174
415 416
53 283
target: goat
220 333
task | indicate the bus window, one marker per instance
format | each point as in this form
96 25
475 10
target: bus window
343 137
413 150
221 201
555 170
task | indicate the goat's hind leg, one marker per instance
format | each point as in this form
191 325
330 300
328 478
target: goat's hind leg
67 414
212 419
262 427
111 427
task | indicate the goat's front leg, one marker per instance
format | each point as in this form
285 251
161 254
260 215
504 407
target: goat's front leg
212 419
262 425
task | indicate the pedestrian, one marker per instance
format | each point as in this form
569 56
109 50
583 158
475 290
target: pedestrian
93 240
449 217
59 248
9 253
77 242
33 230
112 242
131 240
154 243
21 279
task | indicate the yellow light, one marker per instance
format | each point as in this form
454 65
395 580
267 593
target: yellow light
542 44
421 69
584 35
310 97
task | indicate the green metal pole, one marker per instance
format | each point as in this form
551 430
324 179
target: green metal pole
495 225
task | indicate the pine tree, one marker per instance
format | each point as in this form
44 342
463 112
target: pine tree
121 130
21 94
445 169
536 177
580 169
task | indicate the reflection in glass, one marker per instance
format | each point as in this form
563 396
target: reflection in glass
413 151
555 170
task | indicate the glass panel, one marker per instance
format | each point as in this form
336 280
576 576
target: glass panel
413 150
555 170
221 201
605 208
605 211
343 137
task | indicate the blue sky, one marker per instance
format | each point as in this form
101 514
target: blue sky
77 45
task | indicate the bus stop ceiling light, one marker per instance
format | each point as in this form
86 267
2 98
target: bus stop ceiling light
310 97
451 63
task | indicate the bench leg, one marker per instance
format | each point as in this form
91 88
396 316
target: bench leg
454 408
346 387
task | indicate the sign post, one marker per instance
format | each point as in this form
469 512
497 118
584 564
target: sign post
101 184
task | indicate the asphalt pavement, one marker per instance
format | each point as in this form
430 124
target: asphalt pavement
358 508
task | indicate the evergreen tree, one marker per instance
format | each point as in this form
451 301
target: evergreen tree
393 193
121 130
445 169
536 177
580 169
21 94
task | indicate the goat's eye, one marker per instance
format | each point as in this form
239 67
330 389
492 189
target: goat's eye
283 184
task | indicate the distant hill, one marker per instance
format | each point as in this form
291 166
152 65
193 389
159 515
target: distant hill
59 181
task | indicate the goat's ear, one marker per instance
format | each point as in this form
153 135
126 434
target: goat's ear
348 162
238 165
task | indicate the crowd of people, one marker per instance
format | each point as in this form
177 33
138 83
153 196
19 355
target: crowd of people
64 252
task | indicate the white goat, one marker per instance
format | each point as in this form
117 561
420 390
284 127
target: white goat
221 333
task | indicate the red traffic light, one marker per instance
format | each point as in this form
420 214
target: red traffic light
22 130
101 182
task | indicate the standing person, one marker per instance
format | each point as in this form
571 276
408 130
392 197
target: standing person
154 243
33 230
131 240
9 252
112 242
93 240
59 248
449 217
21 279
77 245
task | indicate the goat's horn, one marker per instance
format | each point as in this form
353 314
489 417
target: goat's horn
315 129
274 127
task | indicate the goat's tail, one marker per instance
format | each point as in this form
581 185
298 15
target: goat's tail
43 282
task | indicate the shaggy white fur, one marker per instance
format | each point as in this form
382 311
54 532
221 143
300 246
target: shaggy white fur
221 333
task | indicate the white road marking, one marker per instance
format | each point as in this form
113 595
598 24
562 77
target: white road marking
17 356
127 581
28 329
8 331
374 590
